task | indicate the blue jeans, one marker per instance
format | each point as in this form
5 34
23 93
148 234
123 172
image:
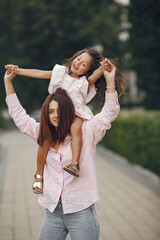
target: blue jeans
82 225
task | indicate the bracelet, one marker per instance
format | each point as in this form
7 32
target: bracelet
38 176
110 87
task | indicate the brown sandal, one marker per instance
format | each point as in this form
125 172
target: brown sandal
71 169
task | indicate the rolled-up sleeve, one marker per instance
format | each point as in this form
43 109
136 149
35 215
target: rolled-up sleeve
96 128
23 121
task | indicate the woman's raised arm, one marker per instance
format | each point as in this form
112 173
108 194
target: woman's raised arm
23 121
8 83
95 128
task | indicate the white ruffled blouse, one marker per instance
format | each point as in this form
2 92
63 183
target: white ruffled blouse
77 89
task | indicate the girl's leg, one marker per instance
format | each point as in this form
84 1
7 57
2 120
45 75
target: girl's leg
76 133
41 159
76 143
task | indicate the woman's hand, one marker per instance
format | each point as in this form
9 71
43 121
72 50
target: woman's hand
11 68
109 71
8 77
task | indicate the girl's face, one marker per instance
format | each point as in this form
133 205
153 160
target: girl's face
81 65
54 113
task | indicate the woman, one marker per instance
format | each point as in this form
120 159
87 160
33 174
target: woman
69 201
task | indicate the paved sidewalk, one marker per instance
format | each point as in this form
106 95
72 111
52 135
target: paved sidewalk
127 210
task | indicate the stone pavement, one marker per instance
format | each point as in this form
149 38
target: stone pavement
128 210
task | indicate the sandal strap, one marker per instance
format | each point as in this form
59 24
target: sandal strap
37 184
77 165
70 170
70 167
38 176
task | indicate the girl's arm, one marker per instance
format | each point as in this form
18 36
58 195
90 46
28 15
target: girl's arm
34 73
94 77
99 72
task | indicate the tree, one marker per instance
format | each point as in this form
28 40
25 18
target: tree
7 44
145 48
47 32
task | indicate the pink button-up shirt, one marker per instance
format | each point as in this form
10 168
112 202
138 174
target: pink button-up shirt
76 193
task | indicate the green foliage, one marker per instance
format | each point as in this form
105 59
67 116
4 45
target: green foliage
136 137
145 48
39 34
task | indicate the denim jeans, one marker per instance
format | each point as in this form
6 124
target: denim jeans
82 225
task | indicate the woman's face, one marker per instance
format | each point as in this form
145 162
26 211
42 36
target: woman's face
54 113
81 65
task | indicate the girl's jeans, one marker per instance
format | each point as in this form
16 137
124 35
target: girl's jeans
82 225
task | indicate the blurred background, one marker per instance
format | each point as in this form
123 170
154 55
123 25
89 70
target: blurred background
39 34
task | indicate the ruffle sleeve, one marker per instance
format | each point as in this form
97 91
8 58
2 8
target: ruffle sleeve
90 95
83 88
57 78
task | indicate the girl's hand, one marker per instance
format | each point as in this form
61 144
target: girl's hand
105 65
11 68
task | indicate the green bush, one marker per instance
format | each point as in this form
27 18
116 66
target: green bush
136 136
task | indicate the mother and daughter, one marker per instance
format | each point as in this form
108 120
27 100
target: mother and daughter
69 201
81 77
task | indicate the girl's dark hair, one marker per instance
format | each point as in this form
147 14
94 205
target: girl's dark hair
97 57
66 116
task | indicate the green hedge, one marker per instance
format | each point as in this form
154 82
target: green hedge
136 136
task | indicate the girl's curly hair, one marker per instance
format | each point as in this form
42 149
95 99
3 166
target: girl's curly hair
97 57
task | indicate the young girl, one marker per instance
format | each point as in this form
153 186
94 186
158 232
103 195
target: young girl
78 77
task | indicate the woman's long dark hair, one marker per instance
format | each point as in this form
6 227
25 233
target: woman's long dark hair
66 116
96 59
